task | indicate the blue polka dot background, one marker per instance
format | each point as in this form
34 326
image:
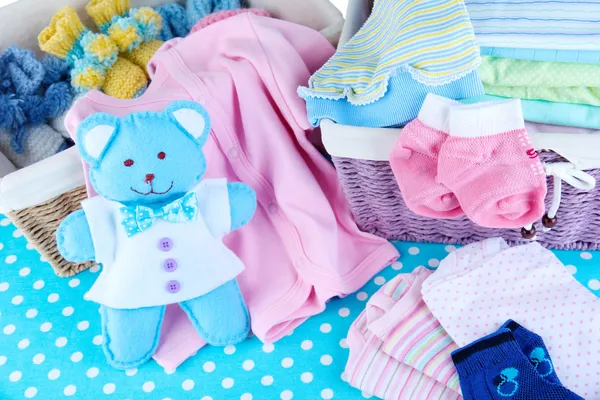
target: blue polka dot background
50 339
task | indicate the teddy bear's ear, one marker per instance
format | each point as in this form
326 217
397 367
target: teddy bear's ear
94 134
192 117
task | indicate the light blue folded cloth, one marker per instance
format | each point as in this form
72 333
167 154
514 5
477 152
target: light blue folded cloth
546 112
575 56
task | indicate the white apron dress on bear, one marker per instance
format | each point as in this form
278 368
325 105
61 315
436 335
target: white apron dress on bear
164 262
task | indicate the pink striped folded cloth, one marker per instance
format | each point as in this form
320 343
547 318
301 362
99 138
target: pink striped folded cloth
398 349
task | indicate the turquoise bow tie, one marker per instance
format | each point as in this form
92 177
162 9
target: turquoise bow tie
138 219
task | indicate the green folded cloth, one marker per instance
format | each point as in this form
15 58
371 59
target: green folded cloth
496 71
541 80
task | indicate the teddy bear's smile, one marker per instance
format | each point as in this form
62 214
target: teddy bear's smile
152 190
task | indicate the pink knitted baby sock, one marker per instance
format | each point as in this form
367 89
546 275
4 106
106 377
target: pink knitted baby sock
224 14
414 161
489 163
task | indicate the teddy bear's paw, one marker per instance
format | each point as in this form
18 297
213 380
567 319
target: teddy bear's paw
243 204
73 238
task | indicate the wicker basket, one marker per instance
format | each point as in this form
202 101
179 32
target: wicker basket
39 224
378 208
39 197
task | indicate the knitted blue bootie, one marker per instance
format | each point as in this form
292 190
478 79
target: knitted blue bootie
31 92
174 21
23 72
55 70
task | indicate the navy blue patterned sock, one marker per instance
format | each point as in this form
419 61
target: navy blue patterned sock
495 368
534 348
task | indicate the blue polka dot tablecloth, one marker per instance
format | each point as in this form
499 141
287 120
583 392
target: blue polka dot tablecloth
50 339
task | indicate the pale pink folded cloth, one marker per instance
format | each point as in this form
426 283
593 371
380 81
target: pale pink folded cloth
397 348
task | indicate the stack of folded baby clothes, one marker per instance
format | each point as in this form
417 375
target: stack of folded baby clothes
548 59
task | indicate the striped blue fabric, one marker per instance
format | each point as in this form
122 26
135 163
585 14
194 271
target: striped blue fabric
431 39
540 24
400 105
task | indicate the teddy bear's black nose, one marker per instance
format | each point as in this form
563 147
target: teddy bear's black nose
149 178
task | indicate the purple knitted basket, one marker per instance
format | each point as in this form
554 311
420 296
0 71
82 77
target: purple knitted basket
378 208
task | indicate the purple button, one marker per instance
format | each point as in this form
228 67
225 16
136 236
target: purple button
173 286
170 265
165 244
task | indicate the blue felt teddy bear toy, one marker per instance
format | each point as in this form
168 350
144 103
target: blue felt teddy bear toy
157 229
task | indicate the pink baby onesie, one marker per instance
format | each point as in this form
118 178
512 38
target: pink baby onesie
398 350
480 286
302 246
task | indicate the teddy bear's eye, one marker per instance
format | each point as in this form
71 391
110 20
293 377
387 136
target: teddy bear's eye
161 155
128 163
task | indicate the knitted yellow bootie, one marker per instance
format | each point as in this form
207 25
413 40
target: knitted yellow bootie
133 30
142 55
93 57
122 83
60 36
